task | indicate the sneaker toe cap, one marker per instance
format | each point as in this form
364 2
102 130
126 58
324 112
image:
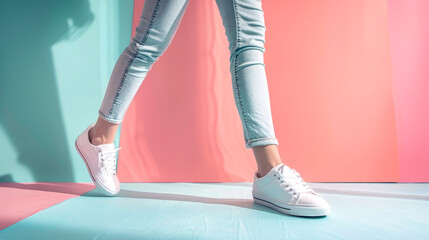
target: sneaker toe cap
111 185
312 200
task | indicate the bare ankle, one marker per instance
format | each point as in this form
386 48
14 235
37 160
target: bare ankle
263 170
97 140
267 157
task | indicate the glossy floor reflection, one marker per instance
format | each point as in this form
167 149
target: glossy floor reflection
226 211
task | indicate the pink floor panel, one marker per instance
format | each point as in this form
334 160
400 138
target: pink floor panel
21 200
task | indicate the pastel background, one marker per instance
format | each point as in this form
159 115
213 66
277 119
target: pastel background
55 59
348 82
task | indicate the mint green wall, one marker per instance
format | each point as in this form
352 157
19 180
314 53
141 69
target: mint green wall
56 60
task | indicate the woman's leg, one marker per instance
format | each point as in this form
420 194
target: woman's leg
159 22
275 184
245 30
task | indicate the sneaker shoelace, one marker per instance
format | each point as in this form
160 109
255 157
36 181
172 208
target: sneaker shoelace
292 182
108 157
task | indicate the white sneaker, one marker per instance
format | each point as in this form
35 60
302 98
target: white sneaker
284 190
100 161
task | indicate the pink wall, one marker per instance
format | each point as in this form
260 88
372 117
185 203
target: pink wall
409 44
329 67
182 125
333 93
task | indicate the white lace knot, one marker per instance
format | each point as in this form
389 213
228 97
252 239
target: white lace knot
108 159
293 183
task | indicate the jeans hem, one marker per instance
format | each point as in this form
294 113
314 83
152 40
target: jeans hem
109 119
262 142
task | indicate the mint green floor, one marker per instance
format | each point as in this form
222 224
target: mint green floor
226 211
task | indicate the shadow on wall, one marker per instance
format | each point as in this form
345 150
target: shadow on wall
30 113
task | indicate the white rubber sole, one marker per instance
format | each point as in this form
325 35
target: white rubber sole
293 209
99 185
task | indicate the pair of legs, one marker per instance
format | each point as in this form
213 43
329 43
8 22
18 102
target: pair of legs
245 30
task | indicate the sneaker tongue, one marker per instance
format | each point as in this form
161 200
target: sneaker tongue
284 170
105 147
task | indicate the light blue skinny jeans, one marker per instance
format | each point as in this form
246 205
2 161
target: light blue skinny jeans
245 30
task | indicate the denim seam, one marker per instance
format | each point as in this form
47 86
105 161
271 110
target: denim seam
130 62
274 141
237 27
257 139
109 119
